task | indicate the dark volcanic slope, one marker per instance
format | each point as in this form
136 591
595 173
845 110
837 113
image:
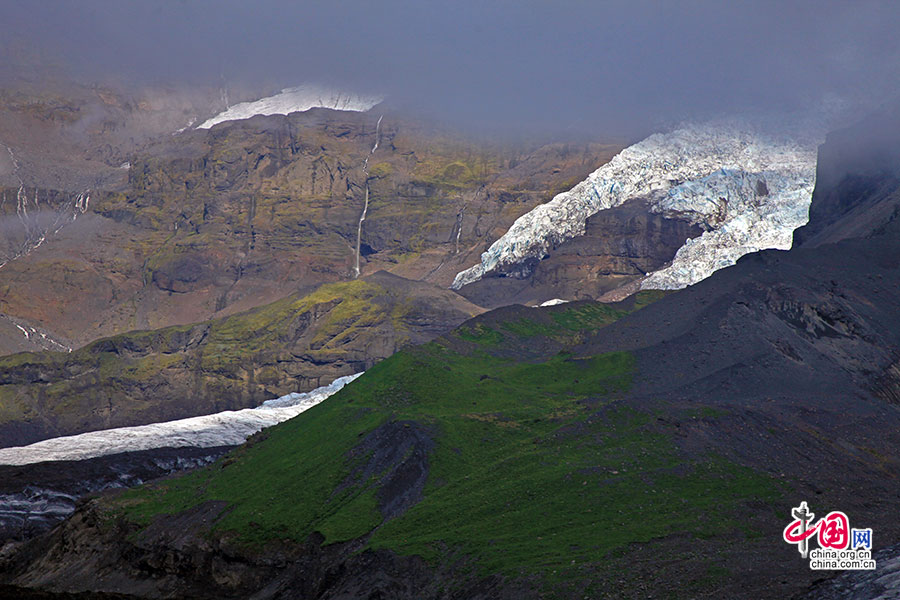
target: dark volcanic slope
857 182
810 322
801 349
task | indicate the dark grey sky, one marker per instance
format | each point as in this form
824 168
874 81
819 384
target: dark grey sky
596 65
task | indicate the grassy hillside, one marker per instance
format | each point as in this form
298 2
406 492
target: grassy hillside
494 443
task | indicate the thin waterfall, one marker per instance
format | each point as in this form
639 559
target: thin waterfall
362 217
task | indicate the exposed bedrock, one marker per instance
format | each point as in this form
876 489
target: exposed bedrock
620 245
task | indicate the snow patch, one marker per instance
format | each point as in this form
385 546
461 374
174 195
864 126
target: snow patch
553 302
227 428
295 99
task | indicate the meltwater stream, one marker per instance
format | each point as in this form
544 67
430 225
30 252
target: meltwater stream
38 219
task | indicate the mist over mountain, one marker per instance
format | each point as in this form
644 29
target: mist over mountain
613 67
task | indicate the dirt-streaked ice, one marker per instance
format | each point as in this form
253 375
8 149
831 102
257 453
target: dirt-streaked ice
226 428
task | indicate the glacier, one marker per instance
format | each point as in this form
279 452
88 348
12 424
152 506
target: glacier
227 428
746 188
295 99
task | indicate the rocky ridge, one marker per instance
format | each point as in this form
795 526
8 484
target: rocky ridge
296 344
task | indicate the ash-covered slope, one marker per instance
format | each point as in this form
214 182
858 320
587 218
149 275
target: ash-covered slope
858 182
747 189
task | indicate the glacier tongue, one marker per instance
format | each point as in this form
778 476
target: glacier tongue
227 428
295 99
747 189
745 212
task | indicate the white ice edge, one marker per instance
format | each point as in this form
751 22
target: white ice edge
295 99
227 428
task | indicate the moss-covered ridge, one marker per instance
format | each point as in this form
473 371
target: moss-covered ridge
294 344
535 466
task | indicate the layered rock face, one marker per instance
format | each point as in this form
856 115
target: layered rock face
212 222
58 134
747 190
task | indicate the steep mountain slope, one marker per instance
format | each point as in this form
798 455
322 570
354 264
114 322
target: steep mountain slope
857 186
401 444
572 450
212 222
64 135
295 344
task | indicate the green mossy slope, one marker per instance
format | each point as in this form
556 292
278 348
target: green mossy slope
534 466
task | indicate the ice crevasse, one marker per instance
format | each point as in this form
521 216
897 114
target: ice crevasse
748 190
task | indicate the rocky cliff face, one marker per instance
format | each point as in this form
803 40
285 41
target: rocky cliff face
28 216
858 175
296 344
212 222
620 245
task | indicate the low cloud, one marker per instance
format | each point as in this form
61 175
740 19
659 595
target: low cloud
600 67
